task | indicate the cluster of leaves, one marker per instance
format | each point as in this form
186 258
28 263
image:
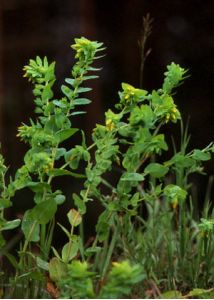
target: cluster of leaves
137 126
126 146
78 282
52 127
169 247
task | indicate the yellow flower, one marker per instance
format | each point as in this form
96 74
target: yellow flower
110 124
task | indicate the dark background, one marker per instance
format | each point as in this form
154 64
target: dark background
183 32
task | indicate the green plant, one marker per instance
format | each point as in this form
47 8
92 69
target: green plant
148 227
78 281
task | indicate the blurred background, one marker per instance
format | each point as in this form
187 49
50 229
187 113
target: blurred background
183 32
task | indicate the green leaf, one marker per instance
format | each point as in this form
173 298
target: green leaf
81 101
172 295
73 156
156 99
91 76
94 69
57 269
30 228
128 181
180 160
200 155
39 61
44 211
70 81
132 177
50 71
74 217
156 170
103 225
41 263
64 134
143 114
199 293
59 199
11 224
70 250
47 93
59 103
4 203
60 119
50 125
59 153
92 250
79 203
38 197
157 144
83 89
56 253
67 91
78 113
38 187
135 199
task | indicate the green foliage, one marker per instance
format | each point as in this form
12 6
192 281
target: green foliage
206 225
78 282
156 170
120 280
124 170
172 295
174 194
51 128
173 77
57 269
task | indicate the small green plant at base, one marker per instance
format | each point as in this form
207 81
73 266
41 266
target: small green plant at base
78 281
170 247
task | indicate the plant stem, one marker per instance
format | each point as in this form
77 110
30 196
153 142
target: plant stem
82 238
109 254
29 236
182 232
106 183
146 31
42 238
46 246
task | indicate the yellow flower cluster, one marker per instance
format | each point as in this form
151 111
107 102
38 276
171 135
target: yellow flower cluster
80 46
129 92
172 115
110 124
